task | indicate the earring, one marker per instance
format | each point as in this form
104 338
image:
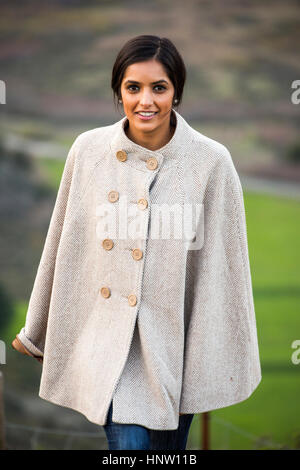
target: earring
120 101
175 101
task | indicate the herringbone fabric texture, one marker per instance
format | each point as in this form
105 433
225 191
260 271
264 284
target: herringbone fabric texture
189 344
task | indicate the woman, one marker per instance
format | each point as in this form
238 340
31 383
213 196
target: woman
140 332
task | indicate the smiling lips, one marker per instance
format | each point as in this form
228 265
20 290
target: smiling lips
145 116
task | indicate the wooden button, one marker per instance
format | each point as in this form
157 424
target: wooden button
137 254
152 163
121 155
107 244
142 203
132 300
105 292
113 196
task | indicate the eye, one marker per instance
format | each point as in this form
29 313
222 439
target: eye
135 86
160 86
131 86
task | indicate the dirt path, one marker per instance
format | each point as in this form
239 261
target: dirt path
268 186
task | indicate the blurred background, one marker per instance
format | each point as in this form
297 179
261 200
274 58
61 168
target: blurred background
242 58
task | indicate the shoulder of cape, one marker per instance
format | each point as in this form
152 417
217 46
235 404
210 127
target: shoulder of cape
92 138
215 154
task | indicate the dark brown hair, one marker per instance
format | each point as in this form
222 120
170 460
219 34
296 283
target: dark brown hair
147 47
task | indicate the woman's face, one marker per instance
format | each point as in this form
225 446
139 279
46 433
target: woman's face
146 87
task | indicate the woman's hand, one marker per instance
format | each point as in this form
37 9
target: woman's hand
18 346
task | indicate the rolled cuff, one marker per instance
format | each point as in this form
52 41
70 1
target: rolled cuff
28 344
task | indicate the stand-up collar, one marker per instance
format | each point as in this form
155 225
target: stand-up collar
137 155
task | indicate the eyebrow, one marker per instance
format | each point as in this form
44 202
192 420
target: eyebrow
153 83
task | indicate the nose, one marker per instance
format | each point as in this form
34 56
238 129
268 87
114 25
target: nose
146 98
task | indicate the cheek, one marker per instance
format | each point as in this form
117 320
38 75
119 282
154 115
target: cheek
129 100
165 101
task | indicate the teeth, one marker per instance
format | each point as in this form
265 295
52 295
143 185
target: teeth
147 114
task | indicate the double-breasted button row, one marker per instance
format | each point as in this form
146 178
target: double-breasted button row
105 292
108 244
113 196
151 162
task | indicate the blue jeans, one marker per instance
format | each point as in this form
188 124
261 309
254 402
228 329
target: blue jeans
133 436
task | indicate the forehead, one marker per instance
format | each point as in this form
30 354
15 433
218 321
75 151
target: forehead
147 71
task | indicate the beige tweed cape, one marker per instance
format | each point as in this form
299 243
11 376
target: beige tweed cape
189 344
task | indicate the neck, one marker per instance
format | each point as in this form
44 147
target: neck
150 140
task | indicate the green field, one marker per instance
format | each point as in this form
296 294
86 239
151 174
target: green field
270 417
